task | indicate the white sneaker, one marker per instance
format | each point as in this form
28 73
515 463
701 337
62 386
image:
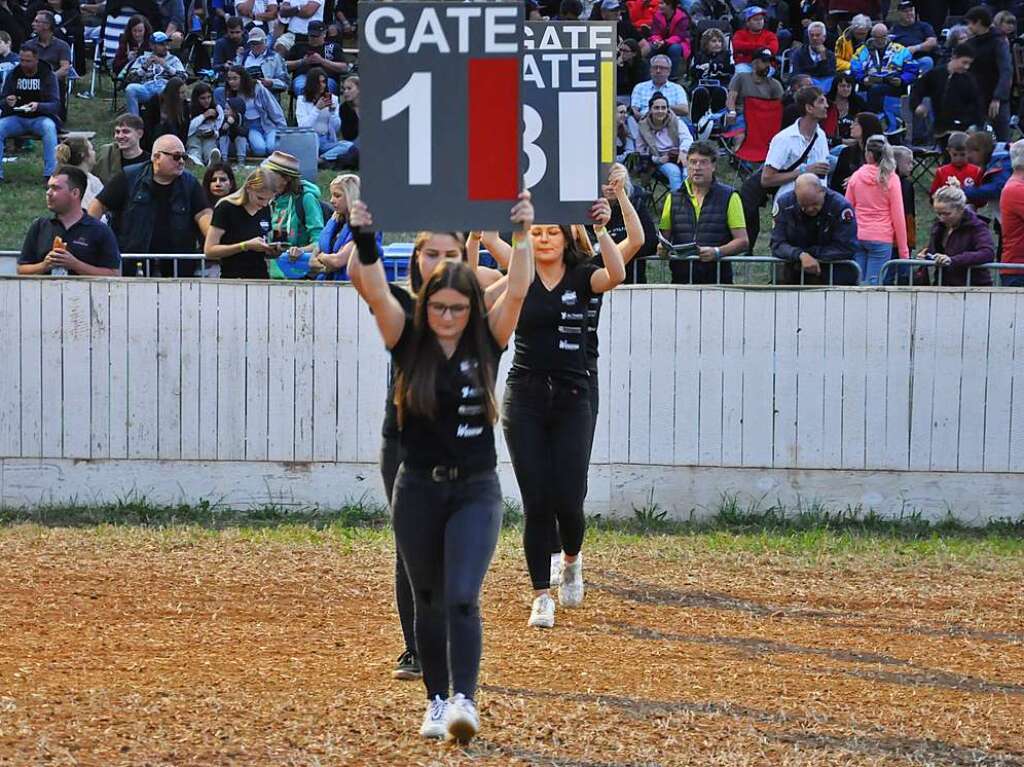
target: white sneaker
570 593
215 157
542 615
463 721
434 718
556 569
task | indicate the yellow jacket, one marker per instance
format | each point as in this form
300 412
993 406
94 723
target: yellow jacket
845 48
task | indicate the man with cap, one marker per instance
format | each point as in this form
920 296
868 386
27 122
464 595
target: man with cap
149 73
753 84
916 36
228 49
754 38
612 10
297 15
264 64
814 225
157 207
315 52
884 68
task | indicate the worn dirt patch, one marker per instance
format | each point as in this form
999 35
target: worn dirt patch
142 648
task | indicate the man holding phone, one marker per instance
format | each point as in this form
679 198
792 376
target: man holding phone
72 241
315 53
30 105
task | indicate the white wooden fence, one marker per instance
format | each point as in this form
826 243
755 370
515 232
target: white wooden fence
248 393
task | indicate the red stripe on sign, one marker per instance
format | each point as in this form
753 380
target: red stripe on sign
494 128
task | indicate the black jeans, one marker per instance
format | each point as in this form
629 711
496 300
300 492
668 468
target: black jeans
390 459
595 401
446 532
548 428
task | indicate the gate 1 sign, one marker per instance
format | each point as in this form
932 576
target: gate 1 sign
441 133
569 115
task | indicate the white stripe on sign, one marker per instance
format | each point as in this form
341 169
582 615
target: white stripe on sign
577 146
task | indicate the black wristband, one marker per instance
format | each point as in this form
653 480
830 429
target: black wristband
366 245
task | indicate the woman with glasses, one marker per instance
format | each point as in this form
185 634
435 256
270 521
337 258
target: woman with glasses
447 500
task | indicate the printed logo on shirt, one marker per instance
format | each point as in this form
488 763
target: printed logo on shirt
29 84
570 316
81 241
968 181
569 329
471 409
465 431
568 346
469 392
265 226
569 297
847 214
467 366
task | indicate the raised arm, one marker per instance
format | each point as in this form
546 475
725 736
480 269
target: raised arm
635 237
372 283
504 314
614 270
497 247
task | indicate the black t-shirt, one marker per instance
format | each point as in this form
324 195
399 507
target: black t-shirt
460 433
114 197
126 163
239 226
551 334
329 51
390 428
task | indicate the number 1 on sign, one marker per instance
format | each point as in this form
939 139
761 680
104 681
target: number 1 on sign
414 96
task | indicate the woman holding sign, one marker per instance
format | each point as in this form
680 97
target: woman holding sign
447 500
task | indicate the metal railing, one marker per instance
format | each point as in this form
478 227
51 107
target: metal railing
929 263
9 258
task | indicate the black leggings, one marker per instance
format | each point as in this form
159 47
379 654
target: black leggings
595 401
447 532
548 430
390 458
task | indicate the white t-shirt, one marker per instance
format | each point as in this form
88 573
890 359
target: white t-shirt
787 147
297 24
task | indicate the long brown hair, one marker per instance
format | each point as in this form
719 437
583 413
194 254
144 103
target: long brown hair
415 277
416 382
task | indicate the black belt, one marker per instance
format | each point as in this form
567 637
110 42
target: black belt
449 473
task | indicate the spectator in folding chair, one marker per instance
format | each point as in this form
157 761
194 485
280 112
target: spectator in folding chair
851 40
51 49
14 22
711 61
954 101
659 83
665 139
992 68
749 42
149 74
67 26
1011 204
670 35
815 59
959 239
264 63
133 43
315 53
755 84
229 49
31 106
126 149
916 36
885 69
708 214
812 226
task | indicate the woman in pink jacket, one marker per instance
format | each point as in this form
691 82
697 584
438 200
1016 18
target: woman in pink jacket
670 34
875 194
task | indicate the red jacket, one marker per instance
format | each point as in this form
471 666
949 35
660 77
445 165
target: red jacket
745 44
968 176
641 12
675 32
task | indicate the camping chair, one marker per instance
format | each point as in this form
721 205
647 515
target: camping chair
106 48
763 119
707 108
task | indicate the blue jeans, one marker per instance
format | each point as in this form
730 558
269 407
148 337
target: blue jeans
331 149
925 64
137 93
1012 280
299 84
262 143
44 127
674 173
869 257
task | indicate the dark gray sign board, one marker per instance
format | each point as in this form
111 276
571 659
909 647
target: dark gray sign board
569 140
440 119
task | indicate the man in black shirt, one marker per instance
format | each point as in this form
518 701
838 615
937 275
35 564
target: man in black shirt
157 207
31 105
315 53
226 49
86 246
992 68
953 92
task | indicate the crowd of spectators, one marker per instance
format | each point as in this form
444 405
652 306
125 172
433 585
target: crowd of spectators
846 83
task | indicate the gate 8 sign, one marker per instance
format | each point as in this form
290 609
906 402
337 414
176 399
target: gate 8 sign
569 115
440 140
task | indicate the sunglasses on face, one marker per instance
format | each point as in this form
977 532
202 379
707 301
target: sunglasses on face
176 156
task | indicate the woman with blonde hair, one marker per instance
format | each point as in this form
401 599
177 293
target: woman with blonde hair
78 151
238 233
959 239
334 247
876 195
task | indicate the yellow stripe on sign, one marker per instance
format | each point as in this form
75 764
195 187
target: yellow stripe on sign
607 111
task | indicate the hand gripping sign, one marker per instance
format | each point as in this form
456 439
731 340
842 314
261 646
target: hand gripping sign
568 116
440 126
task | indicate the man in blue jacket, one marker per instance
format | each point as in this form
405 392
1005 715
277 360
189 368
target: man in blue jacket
814 225
30 105
885 68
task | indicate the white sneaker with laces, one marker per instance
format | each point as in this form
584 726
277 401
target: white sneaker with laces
542 615
570 593
463 721
435 718
556 569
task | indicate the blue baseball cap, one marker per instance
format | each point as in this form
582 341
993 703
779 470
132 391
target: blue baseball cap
159 38
753 11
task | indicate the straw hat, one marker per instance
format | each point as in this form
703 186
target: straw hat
283 163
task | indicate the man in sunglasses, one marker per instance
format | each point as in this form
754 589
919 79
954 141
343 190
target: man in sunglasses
157 207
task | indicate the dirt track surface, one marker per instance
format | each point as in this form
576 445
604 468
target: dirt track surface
138 648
